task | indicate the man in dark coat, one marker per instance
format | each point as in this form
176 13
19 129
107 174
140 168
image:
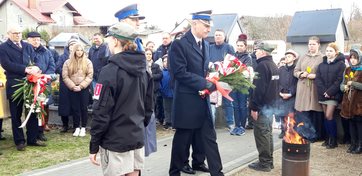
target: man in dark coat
191 116
16 56
46 64
98 54
262 104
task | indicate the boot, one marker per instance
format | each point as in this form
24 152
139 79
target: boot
358 149
324 144
332 143
352 147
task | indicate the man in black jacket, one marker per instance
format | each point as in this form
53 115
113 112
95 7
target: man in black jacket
262 105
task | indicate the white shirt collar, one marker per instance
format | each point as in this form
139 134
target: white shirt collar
197 39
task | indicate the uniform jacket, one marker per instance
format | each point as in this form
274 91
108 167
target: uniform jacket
307 97
218 52
329 77
352 100
266 92
44 60
124 106
14 60
99 57
189 66
161 51
64 108
79 78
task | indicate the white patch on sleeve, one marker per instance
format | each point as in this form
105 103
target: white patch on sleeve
275 77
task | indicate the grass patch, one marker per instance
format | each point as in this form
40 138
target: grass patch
61 147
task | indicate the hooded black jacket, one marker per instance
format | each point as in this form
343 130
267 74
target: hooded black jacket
124 105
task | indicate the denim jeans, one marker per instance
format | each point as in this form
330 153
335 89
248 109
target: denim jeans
227 107
240 108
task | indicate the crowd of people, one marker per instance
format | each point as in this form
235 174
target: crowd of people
132 87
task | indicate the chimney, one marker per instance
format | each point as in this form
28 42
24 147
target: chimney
32 4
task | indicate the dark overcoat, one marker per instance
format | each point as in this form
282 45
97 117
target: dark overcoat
64 108
189 65
14 60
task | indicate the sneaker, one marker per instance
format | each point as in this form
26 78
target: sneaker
229 127
240 131
76 132
82 132
259 167
234 131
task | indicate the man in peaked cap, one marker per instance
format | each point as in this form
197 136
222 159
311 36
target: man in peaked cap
130 15
191 116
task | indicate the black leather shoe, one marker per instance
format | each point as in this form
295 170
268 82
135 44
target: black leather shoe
64 130
188 170
42 137
259 167
201 168
20 147
38 143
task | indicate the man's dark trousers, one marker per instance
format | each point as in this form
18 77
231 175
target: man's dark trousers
264 139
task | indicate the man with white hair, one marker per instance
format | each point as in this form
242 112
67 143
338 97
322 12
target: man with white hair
16 56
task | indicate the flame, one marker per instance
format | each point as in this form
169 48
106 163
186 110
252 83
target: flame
291 136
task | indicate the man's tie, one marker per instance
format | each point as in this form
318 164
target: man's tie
199 44
18 44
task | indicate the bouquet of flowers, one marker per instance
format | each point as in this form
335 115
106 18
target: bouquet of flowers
33 91
230 74
349 77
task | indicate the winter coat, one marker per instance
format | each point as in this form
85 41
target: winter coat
307 97
123 103
157 76
14 61
166 90
245 58
79 78
99 57
218 52
45 60
329 76
4 103
287 84
352 99
189 66
266 92
64 108
161 51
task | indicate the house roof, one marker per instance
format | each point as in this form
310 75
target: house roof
35 13
226 22
47 7
62 39
321 23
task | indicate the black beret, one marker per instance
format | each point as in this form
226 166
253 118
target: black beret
33 34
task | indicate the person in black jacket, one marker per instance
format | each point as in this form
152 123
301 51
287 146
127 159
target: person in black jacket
329 76
122 106
287 88
262 105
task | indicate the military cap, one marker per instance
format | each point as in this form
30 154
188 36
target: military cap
122 31
33 34
202 15
130 11
265 46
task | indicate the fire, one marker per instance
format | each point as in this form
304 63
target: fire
291 136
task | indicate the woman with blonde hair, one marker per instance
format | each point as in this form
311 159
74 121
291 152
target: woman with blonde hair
329 76
77 75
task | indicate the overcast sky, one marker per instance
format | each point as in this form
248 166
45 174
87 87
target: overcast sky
165 13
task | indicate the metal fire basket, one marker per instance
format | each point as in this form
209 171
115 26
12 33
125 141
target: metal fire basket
295 159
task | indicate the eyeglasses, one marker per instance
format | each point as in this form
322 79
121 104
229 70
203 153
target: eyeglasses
16 33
